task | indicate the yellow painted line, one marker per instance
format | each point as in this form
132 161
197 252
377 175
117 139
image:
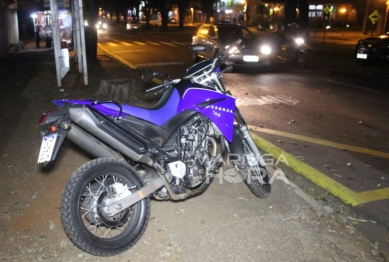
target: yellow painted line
121 60
125 43
374 195
322 142
345 194
153 43
112 44
139 43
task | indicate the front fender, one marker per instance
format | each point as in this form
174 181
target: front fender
236 146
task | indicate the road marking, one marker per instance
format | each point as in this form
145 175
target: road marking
337 189
153 43
350 85
139 43
265 100
125 43
112 44
129 51
323 142
166 43
179 43
117 57
160 64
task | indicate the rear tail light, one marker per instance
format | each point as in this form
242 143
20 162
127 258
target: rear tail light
44 116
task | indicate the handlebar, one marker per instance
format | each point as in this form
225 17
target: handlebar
208 75
221 55
154 88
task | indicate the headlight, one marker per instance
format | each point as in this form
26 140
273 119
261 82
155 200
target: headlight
265 49
299 41
97 26
104 26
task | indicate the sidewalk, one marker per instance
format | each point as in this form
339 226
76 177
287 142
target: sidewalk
226 223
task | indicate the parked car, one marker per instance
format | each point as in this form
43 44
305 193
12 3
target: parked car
133 19
254 53
373 50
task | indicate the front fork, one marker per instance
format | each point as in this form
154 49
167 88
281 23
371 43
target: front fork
243 145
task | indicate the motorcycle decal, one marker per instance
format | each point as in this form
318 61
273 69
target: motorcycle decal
221 112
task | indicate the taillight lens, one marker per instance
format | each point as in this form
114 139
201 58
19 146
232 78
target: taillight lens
44 116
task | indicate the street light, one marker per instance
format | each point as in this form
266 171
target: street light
34 16
191 12
344 11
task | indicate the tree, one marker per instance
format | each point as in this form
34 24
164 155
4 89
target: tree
91 13
164 8
147 11
290 15
182 5
208 8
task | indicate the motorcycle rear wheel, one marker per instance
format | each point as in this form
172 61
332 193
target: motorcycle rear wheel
82 208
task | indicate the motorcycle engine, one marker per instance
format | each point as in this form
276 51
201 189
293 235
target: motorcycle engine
195 152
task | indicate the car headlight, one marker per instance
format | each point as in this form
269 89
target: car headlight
299 40
265 49
97 26
104 26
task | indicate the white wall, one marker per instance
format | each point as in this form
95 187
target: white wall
9 30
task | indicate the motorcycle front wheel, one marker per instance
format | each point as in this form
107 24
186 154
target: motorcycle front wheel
253 173
90 189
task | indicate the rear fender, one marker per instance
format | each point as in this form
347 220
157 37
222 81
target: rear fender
54 115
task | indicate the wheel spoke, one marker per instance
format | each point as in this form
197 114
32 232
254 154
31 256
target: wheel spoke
85 217
106 227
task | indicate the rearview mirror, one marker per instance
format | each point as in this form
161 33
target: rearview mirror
149 74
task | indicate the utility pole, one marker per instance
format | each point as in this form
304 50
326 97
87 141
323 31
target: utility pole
364 27
385 27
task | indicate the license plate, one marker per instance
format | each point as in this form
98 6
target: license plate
362 56
47 147
250 58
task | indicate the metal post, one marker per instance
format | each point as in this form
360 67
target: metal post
56 39
82 36
77 42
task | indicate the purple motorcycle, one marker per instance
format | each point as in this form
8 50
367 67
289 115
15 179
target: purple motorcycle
168 152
